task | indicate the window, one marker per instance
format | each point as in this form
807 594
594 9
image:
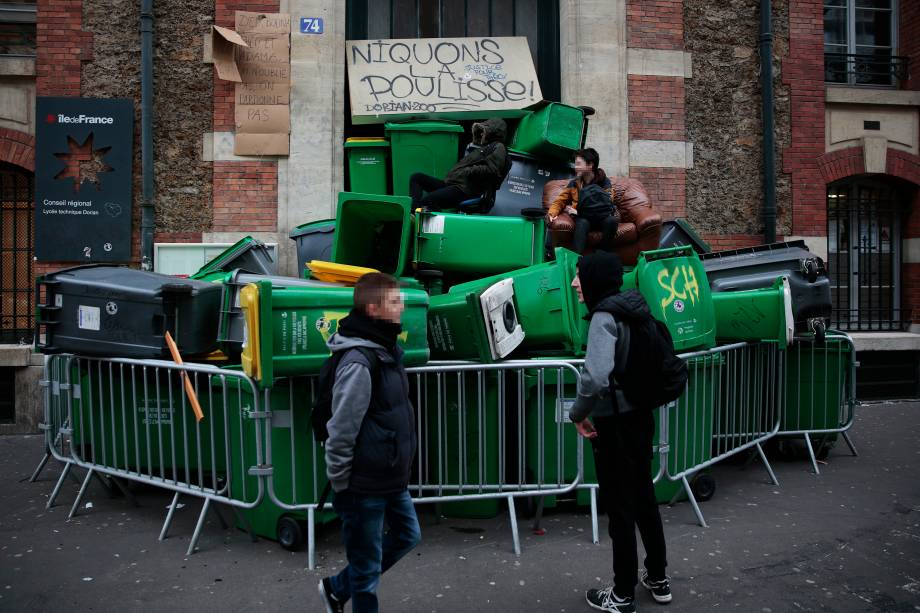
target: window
17 237
860 43
17 28
864 254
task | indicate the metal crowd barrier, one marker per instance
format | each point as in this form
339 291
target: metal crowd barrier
733 403
130 420
486 433
821 389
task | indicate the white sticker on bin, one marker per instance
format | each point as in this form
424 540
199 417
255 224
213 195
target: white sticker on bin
88 318
433 224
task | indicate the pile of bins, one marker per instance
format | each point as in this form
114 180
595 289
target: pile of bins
477 288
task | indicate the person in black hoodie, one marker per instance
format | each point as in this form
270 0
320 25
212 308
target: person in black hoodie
621 436
479 171
371 444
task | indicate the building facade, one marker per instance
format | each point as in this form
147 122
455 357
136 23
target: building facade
676 87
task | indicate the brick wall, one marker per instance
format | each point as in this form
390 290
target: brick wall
723 242
842 163
656 108
245 197
909 38
17 148
656 104
245 193
803 72
61 46
666 188
655 24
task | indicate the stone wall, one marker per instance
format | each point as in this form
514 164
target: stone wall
723 102
183 93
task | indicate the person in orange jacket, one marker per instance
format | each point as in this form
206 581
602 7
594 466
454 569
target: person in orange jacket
587 174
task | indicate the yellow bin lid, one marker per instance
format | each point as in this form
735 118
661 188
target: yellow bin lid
337 273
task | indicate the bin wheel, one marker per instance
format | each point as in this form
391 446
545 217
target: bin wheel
532 213
820 330
703 487
290 534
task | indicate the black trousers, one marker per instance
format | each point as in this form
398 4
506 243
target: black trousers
439 196
608 225
623 459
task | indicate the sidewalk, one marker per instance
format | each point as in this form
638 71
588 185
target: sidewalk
847 540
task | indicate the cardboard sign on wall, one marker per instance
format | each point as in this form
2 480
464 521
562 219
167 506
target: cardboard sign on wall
257 56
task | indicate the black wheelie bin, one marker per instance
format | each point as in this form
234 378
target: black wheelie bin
758 267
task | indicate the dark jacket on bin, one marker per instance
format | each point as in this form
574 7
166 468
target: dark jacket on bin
482 169
372 438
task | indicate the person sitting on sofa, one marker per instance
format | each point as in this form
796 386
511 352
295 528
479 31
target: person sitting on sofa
480 171
598 211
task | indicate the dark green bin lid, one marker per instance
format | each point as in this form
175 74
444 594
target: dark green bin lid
423 126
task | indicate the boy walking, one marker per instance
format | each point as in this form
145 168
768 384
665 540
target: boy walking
371 445
621 435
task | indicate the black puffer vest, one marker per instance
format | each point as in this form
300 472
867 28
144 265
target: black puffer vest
387 441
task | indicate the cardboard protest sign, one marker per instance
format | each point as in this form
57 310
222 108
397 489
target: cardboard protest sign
224 43
439 77
262 113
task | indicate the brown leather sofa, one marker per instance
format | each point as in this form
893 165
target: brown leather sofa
640 225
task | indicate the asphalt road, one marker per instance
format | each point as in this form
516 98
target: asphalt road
847 540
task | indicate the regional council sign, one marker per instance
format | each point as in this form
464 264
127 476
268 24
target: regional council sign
454 77
83 173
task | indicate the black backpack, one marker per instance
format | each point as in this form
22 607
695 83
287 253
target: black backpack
322 406
654 375
594 202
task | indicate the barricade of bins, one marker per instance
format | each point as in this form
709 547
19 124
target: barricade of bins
479 288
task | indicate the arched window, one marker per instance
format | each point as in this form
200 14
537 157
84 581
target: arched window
864 253
17 236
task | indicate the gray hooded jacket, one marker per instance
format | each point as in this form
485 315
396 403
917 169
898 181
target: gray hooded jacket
372 440
608 346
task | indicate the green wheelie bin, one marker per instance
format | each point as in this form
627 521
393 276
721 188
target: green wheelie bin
756 314
368 164
298 465
554 130
374 231
139 419
478 245
557 446
537 311
286 329
248 253
674 284
690 424
818 380
460 448
430 147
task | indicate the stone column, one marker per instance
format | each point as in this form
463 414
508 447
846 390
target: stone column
592 42
310 178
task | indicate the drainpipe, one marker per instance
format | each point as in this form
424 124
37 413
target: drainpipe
147 208
769 155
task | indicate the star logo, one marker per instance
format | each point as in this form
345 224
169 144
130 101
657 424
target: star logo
83 163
